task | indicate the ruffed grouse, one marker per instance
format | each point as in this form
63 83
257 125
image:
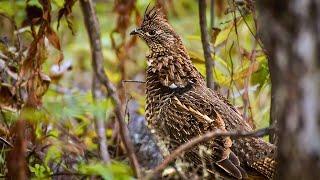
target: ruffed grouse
180 107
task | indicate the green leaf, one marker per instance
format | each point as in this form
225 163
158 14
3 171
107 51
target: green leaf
59 3
115 171
53 153
224 34
39 171
101 108
34 3
7 8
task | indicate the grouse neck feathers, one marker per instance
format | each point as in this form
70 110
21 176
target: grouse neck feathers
179 107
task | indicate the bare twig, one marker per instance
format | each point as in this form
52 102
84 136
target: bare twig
92 26
6 142
205 44
66 174
255 35
203 138
230 71
246 98
133 81
100 128
2 56
236 26
212 14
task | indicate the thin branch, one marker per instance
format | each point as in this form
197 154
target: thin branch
212 14
92 26
66 174
2 56
246 98
100 128
203 138
133 81
255 35
230 71
6 142
236 26
205 44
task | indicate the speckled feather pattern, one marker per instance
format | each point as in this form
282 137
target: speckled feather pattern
176 125
180 106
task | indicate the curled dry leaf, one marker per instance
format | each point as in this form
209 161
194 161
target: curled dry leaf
66 12
31 74
214 34
53 38
124 10
55 41
221 6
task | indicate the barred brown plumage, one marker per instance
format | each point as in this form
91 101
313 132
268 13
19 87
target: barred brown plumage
180 106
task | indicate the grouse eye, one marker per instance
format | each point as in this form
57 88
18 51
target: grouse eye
151 33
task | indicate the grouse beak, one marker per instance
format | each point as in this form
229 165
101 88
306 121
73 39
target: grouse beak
135 32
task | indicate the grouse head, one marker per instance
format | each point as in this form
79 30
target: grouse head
157 32
168 60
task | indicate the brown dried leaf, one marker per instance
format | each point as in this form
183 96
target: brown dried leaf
214 35
34 59
53 38
37 86
221 6
66 11
4 131
124 10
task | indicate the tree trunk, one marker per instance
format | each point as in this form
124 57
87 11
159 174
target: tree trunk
291 35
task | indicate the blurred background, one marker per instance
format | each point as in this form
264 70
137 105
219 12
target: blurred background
62 140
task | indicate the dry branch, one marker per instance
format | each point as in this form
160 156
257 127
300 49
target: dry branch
4 141
205 44
93 30
133 81
100 128
203 138
212 14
